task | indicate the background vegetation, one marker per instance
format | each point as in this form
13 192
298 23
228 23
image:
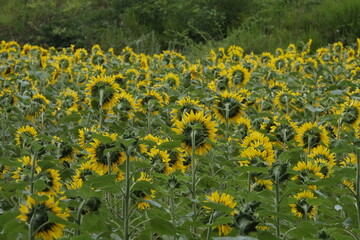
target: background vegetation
189 26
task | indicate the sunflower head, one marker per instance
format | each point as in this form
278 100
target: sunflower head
37 213
310 135
228 106
302 208
196 128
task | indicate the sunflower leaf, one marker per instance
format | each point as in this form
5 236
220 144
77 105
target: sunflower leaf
162 226
218 206
101 138
170 145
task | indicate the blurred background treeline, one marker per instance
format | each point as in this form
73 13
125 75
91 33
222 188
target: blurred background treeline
191 27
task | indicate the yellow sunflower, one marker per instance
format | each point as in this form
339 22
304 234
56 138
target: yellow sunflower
350 113
102 91
302 208
85 136
36 214
243 127
126 106
68 101
227 200
172 79
37 106
151 101
310 135
99 158
7 98
283 129
25 134
80 176
228 107
140 195
196 128
23 173
239 76
304 169
52 182
185 105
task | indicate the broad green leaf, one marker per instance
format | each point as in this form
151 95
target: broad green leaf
73 117
162 226
170 145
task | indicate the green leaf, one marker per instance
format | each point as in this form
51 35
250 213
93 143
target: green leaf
218 206
268 236
101 181
162 226
170 145
102 139
143 186
73 117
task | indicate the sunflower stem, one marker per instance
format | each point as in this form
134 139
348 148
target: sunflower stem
172 209
209 228
277 203
126 202
100 107
358 192
193 175
32 173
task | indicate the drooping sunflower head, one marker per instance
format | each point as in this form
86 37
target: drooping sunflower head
322 154
239 76
228 106
151 101
310 135
85 136
126 106
81 175
305 170
37 106
262 184
186 105
227 200
140 195
68 101
102 91
258 147
65 152
350 113
243 127
25 135
302 208
286 100
196 128
36 214
52 182
7 99
100 157
284 129
172 79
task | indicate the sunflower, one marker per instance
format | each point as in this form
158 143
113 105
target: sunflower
258 149
172 80
304 169
99 158
7 98
36 214
261 184
52 182
102 91
350 113
228 107
85 136
25 134
159 159
266 57
227 200
196 128
37 106
310 135
286 100
97 58
176 161
22 173
349 160
140 195
302 208
279 63
81 175
243 126
3 170
68 101
324 158
65 152
283 129
126 106
185 105
151 101
80 54
239 76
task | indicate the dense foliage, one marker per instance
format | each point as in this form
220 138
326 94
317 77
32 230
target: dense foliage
98 145
190 26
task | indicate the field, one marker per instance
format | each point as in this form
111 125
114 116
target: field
99 145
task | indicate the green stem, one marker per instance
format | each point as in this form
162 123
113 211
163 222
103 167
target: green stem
126 202
209 228
193 173
78 217
172 209
277 207
32 174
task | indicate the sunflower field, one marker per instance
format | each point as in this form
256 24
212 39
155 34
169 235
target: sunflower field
99 145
